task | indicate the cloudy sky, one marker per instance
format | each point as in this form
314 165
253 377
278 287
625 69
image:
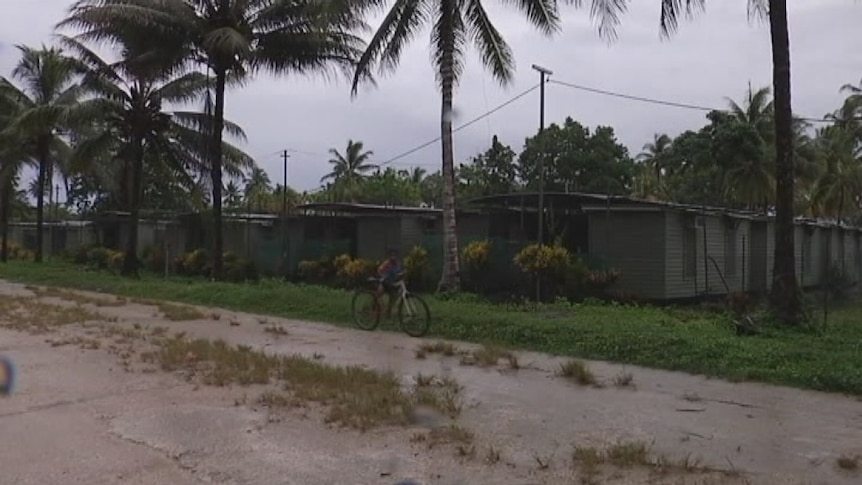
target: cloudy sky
713 56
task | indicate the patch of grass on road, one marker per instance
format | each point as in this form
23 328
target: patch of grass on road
694 342
353 396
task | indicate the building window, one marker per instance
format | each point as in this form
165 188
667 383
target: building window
689 252
730 242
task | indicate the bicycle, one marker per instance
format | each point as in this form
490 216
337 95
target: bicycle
411 308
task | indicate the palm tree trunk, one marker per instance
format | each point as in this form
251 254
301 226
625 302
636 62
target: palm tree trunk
5 210
216 152
40 196
450 279
785 298
130 261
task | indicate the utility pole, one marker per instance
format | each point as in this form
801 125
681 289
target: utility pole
543 75
540 215
285 156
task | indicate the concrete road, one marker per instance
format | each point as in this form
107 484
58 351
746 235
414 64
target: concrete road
78 416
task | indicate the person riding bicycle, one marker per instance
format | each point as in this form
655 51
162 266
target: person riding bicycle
389 273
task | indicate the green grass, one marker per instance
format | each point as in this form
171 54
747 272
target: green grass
699 343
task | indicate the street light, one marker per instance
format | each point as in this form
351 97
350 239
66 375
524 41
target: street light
544 73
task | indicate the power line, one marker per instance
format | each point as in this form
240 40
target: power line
459 128
662 102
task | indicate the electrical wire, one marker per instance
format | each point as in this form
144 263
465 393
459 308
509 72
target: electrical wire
661 102
459 128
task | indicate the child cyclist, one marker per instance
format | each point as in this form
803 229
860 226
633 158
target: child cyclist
389 273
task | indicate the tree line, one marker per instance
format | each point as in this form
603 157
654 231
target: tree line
107 124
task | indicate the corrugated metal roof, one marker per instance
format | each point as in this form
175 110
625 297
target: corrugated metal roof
355 208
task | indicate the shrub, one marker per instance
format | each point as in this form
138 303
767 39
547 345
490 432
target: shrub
115 260
597 282
99 257
477 254
476 258
15 251
80 254
316 271
418 267
340 263
194 263
153 259
541 259
352 272
238 269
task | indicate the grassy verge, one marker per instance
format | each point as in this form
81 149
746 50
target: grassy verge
653 337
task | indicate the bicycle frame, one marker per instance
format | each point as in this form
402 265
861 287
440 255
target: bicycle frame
401 287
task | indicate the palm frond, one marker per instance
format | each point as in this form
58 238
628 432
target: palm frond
399 26
448 39
606 14
200 121
495 52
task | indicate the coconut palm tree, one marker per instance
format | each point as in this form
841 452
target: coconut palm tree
12 159
757 111
417 175
785 297
453 24
232 39
258 190
653 154
838 189
47 99
349 169
127 100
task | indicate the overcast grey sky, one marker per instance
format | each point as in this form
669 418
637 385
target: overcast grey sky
713 56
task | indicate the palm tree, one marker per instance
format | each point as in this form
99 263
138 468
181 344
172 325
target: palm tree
838 188
127 102
11 162
757 111
47 100
258 190
232 39
417 176
349 169
785 297
654 152
453 24
232 196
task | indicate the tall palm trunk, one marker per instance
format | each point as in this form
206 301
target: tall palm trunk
216 153
5 210
785 297
450 278
130 261
42 148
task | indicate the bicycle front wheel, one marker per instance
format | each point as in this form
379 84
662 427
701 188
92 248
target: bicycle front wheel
414 315
366 310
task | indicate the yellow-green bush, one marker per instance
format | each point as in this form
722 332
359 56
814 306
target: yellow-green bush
353 271
238 269
15 251
194 263
541 259
477 254
417 267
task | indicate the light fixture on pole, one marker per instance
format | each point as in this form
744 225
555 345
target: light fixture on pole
544 73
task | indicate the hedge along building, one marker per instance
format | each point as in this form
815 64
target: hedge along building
667 251
366 231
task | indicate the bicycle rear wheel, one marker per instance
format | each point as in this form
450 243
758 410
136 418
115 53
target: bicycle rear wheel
366 310
414 316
